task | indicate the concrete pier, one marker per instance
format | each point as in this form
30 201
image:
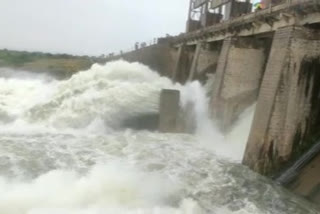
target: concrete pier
195 61
287 113
205 61
169 110
238 78
183 63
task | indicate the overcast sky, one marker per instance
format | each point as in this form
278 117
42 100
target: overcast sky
87 27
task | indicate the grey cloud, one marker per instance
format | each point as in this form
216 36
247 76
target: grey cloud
87 26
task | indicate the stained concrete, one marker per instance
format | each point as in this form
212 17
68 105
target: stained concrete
287 112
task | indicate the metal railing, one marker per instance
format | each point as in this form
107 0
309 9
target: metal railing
294 171
226 24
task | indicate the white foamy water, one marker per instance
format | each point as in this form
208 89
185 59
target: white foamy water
63 150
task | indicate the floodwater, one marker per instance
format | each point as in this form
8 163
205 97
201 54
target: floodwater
63 150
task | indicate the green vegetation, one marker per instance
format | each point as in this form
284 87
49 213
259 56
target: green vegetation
61 65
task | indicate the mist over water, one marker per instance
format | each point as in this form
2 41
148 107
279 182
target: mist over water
63 150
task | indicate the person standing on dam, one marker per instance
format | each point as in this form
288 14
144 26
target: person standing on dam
259 5
263 4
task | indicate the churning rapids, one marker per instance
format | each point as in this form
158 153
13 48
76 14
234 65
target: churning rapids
63 150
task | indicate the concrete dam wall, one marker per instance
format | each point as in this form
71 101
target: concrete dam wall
271 58
159 57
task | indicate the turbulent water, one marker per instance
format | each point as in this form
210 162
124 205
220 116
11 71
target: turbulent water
63 150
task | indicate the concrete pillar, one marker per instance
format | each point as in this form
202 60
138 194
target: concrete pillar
177 63
169 110
204 61
195 60
287 112
183 63
239 73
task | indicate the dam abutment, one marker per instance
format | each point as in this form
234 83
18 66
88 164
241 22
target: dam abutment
286 115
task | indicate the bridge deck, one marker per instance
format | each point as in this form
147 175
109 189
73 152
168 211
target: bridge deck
294 12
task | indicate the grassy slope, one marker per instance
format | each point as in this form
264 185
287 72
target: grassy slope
61 65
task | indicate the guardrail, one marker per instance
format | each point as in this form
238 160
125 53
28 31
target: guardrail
294 171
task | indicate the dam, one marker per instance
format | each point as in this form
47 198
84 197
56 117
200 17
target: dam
269 56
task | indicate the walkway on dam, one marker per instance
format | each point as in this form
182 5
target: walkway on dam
293 12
